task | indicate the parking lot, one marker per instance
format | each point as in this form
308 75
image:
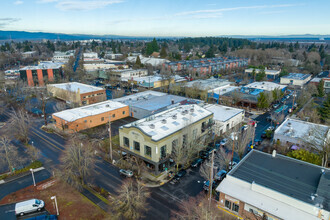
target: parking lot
8 213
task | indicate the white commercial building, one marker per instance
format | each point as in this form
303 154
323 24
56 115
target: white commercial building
128 74
225 117
295 79
301 133
91 55
89 67
63 56
211 85
148 60
266 86
270 74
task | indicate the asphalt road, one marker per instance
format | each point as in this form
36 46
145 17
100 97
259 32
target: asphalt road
7 211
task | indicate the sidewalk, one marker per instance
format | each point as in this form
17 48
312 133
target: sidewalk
15 177
154 181
97 201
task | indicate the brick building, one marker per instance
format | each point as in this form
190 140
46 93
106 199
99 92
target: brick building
44 72
273 186
77 93
77 119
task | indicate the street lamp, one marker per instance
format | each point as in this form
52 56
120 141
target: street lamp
34 182
234 137
54 198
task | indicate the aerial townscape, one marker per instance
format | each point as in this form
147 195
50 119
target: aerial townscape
188 110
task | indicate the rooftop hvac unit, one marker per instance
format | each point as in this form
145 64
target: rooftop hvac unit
164 121
174 117
152 126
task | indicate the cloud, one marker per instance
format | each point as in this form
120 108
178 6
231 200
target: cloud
47 1
271 12
7 21
233 9
18 2
80 5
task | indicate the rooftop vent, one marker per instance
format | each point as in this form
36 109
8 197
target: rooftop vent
152 126
172 101
274 153
107 105
174 117
184 112
192 110
164 121
289 124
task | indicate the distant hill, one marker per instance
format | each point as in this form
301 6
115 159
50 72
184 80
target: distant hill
24 35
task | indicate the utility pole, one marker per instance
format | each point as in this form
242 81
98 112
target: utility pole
211 180
234 137
294 96
110 142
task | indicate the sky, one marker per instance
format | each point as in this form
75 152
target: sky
167 17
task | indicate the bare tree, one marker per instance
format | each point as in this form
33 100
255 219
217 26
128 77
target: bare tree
78 161
198 208
130 203
179 154
319 141
20 123
222 159
8 154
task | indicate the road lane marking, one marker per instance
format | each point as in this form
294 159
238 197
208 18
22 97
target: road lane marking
44 135
47 141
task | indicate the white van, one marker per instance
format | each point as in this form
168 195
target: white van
28 206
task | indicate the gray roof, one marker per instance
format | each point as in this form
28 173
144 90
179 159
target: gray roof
156 103
297 76
286 175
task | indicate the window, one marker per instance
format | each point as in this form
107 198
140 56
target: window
174 144
235 207
113 115
147 151
126 142
85 121
184 140
203 127
228 204
136 146
102 119
123 112
163 152
66 126
194 133
84 97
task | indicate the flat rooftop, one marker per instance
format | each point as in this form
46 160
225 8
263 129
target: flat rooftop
137 97
297 76
158 102
74 86
74 114
222 113
208 84
291 177
165 123
44 65
302 130
268 86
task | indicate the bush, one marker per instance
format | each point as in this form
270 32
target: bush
306 156
33 165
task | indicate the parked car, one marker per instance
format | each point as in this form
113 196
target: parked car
220 175
196 162
223 141
272 128
29 206
127 173
245 127
170 174
204 154
276 105
206 186
232 164
180 174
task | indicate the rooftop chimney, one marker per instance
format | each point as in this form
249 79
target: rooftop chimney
274 153
172 101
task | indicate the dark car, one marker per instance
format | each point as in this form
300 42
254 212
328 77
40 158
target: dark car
204 154
196 162
43 217
206 186
180 174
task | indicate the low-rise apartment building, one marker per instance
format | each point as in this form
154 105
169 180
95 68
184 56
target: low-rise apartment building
127 74
77 119
42 73
273 187
225 117
77 93
295 79
152 139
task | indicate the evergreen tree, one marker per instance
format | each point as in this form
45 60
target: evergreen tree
152 47
163 52
262 101
325 110
138 61
261 75
320 88
210 52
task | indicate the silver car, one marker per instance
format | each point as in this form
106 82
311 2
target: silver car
127 173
